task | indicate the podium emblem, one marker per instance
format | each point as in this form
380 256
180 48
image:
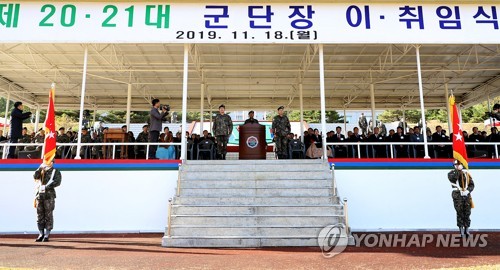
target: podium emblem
252 142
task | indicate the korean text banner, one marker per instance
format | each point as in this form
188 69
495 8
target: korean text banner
163 22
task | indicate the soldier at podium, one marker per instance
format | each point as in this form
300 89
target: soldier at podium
281 128
250 119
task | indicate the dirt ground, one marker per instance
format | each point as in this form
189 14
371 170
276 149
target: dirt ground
144 251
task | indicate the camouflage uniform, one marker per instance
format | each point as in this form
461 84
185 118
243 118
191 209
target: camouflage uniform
143 137
39 138
281 127
61 150
25 139
45 202
222 129
462 203
85 151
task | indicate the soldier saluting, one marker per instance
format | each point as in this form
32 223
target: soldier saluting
47 178
222 128
462 184
281 128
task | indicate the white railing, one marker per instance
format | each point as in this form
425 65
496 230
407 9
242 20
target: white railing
358 145
5 146
391 145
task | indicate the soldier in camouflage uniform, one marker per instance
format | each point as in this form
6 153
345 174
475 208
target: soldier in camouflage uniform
281 128
143 137
462 184
39 138
85 151
25 138
222 128
47 179
62 138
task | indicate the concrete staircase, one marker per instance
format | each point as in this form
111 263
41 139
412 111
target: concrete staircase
252 203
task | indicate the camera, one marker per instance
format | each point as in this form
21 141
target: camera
165 107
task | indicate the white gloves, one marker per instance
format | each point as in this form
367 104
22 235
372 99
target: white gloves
41 189
464 193
455 186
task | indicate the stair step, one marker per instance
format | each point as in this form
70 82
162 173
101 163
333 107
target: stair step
251 192
293 183
240 220
246 232
254 175
259 210
238 242
200 200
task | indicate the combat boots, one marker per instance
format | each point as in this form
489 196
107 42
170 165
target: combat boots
462 233
466 232
40 235
39 238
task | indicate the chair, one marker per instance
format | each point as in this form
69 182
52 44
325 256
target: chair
296 147
205 147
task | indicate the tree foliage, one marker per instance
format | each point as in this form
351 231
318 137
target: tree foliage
313 116
473 114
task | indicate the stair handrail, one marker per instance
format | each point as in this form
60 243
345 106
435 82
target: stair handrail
178 193
346 217
169 222
334 182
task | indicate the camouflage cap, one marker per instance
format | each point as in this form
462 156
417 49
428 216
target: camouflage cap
281 108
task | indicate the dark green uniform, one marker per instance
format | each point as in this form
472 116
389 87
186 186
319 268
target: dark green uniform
61 150
281 127
222 128
26 139
462 203
63 138
85 151
140 150
45 201
39 138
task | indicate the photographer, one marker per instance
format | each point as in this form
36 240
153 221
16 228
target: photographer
495 114
155 119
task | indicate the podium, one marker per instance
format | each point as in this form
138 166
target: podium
252 141
115 135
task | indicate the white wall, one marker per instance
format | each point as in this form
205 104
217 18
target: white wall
414 199
91 201
133 201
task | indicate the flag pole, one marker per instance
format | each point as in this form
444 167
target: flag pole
52 87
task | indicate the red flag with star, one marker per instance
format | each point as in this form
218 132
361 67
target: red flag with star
459 150
50 130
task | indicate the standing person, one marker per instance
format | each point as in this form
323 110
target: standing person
462 184
140 150
16 125
251 119
62 138
47 179
155 118
222 128
280 128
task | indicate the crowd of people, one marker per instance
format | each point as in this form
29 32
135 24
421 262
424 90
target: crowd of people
412 135
372 144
